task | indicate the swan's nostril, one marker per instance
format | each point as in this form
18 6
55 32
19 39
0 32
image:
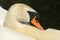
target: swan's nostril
37 24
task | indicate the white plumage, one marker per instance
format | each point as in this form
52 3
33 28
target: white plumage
18 13
8 34
3 13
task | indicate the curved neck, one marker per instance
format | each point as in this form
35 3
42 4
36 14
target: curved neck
12 21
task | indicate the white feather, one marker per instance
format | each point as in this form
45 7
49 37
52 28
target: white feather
3 13
7 34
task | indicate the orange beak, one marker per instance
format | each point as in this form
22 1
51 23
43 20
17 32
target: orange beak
37 24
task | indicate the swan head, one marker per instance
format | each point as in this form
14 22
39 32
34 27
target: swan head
25 15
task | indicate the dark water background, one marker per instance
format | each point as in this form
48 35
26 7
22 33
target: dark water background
49 10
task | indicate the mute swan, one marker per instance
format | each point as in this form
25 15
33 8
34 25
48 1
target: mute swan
18 19
8 34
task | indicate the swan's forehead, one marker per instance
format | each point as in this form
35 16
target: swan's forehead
26 7
27 12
